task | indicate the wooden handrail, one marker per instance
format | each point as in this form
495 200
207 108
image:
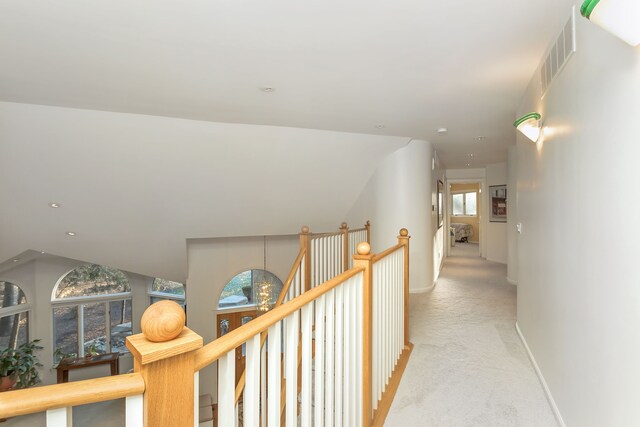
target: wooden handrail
378 257
354 230
329 234
38 399
216 349
292 273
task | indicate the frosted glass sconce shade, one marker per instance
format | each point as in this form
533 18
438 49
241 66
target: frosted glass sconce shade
529 125
619 17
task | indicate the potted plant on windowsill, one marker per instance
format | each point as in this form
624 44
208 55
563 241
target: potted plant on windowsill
19 366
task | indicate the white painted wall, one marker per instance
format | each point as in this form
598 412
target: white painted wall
578 281
496 235
212 263
135 187
512 215
400 194
37 278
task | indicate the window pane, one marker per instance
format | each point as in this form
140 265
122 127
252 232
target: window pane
95 328
167 287
14 330
11 295
471 203
65 329
120 318
92 279
181 302
224 327
238 291
458 204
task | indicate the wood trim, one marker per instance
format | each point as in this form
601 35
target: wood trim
328 234
380 415
355 230
381 255
38 399
290 277
148 351
366 262
216 349
403 239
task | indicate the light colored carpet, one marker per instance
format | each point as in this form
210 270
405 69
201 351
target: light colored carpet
468 366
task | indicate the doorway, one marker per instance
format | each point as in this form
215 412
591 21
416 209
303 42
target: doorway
465 217
227 322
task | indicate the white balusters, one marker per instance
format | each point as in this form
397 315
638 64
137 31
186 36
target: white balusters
274 375
251 399
60 417
134 414
307 365
388 320
227 389
319 362
291 369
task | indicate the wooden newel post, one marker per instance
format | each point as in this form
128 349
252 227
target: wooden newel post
344 229
364 259
367 225
305 243
403 239
164 354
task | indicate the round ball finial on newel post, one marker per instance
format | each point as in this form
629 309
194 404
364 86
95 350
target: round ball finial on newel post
163 321
364 248
304 229
404 232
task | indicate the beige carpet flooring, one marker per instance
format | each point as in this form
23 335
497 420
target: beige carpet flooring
468 366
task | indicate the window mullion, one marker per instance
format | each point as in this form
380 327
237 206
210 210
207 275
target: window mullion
107 310
81 330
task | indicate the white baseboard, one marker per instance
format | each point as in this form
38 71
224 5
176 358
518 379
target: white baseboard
422 290
547 392
512 282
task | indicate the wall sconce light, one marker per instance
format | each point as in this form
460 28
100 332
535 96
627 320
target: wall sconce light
530 125
619 17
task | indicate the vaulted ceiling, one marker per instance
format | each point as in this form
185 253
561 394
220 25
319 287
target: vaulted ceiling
373 73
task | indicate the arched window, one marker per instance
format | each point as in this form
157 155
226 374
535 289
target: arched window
14 316
252 287
91 312
162 289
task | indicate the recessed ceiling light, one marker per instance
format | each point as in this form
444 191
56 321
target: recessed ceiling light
54 205
479 138
267 89
42 252
380 126
15 259
442 130
70 233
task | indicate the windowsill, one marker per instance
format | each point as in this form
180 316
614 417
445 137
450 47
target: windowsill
235 308
464 216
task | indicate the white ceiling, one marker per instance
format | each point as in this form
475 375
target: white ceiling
143 184
412 65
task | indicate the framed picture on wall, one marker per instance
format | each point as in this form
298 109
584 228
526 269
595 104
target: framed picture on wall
498 203
439 210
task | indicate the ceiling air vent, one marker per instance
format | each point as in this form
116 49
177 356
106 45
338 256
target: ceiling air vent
559 53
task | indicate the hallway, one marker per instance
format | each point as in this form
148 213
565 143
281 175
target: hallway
468 367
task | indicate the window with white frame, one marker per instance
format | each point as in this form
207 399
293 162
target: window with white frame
465 204
162 289
14 316
251 287
91 311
